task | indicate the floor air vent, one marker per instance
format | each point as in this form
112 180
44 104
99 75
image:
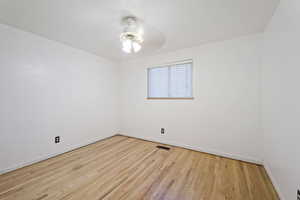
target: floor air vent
163 147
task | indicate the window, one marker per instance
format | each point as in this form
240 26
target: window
171 81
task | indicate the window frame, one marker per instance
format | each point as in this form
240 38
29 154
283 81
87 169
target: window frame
190 61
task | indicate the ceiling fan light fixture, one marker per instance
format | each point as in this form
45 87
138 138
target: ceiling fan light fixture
132 36
131 43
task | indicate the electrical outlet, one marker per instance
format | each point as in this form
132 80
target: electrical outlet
57 139
298 195
162 131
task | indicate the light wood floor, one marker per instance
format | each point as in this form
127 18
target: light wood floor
128 168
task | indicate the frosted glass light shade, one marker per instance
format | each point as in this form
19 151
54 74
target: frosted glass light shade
130 46
136 46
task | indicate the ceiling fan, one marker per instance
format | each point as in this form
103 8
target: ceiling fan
132 36
136 34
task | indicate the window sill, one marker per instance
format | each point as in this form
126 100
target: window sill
170 98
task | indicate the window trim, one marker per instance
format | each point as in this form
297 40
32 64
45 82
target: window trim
170 65
170 98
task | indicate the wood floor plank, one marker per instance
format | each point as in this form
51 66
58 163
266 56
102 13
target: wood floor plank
127 168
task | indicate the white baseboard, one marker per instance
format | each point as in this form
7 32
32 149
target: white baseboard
273 180
204 150
42 158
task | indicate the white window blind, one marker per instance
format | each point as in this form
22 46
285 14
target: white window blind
171 81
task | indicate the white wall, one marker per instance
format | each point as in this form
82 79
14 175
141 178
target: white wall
281 98
49 89
224 117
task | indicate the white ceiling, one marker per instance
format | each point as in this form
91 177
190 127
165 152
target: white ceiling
94 25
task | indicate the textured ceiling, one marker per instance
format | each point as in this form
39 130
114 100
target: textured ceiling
94 25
